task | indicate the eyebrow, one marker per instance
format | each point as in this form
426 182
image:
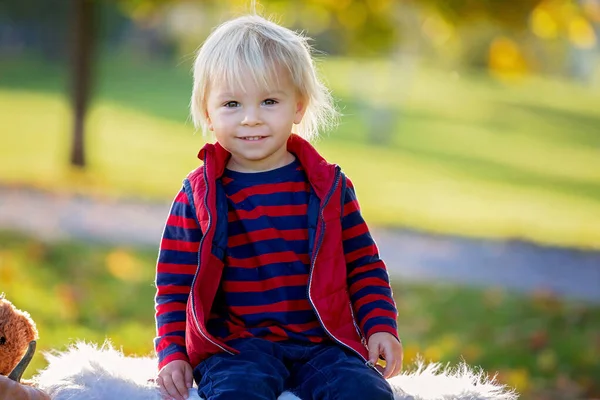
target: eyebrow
276 92
264 94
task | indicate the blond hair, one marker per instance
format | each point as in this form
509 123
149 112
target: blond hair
256 45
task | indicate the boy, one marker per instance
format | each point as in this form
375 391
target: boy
267 277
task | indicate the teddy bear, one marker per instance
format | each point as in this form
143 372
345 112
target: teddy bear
18 335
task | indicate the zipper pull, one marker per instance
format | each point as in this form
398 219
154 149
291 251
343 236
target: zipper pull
374 367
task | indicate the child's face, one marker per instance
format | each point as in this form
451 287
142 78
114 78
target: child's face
254 124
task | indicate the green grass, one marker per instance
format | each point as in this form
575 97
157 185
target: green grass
462 155
536 343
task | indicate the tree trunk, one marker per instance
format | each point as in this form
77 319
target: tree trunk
81 73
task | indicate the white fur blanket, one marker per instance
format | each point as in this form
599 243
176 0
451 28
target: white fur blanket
90 372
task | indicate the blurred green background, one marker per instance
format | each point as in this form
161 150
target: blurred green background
472 118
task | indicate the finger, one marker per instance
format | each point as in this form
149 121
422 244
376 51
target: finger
171 388
183 390
163 394
180 384
189 377
389 367
390 362
392 365
374 352
395 368
161 388
400 359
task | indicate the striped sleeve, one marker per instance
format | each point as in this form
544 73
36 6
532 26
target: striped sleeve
175 269
368 280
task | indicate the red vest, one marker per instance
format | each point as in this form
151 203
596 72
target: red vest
327 287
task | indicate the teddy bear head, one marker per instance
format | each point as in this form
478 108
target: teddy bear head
17 330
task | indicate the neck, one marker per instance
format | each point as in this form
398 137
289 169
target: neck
235 165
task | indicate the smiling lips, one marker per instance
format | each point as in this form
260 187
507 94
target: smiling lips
252 138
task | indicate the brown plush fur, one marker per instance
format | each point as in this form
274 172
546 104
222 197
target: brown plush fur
17 329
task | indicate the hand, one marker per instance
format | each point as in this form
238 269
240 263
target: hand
385 344
174 380
11 390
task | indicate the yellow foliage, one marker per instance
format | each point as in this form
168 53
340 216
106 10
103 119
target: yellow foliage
354 16
411 352
337 4
139 11
448 343
506 59
36 251
437 29
7 267
123 265
543 24
591 9
316 19
67 297
242 5
381 7
590 358
581 33
517 378
433 353
547 360
471 352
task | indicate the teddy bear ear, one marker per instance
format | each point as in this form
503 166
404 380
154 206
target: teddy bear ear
2 296
17 372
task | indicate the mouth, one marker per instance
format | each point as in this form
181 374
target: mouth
253 138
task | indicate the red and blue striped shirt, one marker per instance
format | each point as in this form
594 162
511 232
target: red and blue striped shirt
263 290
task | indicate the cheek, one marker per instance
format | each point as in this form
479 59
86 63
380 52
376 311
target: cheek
284 117
224 137
223 120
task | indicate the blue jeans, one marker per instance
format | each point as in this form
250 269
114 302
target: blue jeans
263 370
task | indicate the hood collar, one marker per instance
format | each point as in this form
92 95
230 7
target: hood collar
320 173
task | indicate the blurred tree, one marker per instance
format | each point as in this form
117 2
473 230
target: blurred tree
349 27
84 28
84 38
511 14
353 27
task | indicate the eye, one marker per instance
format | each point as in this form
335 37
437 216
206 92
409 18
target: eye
2 340
231 104
270 102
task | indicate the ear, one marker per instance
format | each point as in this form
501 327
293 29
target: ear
208 121
300 110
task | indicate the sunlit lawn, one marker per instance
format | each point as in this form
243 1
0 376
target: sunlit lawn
458 154
78 291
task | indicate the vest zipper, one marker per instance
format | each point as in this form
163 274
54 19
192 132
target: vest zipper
197 323
360 335
314 259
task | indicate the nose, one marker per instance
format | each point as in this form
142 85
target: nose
251 117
